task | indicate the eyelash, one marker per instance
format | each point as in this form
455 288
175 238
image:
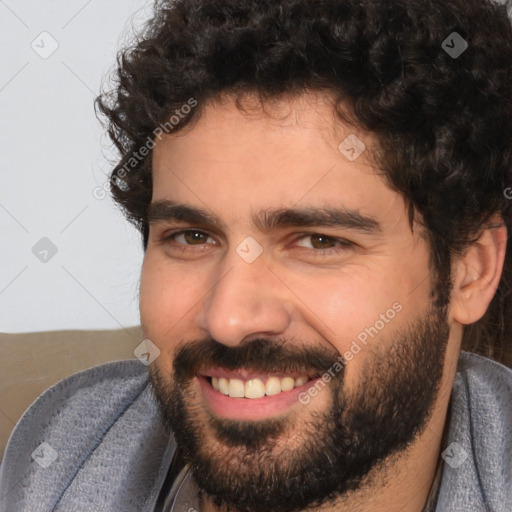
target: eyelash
343 244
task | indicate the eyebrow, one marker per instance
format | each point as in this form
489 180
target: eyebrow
266 220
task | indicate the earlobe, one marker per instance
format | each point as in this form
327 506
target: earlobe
478 272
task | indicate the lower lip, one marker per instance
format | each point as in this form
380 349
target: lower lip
250 408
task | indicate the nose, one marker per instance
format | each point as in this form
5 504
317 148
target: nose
249 300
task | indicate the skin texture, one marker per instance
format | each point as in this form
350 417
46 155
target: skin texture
234 164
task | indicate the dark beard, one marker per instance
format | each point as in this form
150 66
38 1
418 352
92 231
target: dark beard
242 470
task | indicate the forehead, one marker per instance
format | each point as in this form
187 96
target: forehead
290 151
228 122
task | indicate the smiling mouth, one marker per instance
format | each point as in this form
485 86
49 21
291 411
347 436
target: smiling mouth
256 388
250 395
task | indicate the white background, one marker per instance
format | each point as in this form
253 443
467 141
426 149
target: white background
53 154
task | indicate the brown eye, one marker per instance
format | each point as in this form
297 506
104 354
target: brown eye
188 237
317 245
322 242
318 241
195 237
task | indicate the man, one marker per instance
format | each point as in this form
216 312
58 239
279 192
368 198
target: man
322 193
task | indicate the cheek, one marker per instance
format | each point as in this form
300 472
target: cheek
166 295
359 312
342 305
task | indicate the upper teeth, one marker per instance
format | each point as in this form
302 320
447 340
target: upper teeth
255 388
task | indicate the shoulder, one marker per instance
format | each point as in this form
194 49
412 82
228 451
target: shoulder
477 472
75 424
97 393
99 390
482 399
484 377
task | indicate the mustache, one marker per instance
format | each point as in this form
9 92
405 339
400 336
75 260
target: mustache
266 356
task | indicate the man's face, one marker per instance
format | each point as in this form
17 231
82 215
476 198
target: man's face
262 311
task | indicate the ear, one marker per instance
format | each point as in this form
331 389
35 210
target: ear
478 272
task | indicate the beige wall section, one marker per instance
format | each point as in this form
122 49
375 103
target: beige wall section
32 362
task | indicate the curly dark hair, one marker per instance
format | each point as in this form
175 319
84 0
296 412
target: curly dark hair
443 121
